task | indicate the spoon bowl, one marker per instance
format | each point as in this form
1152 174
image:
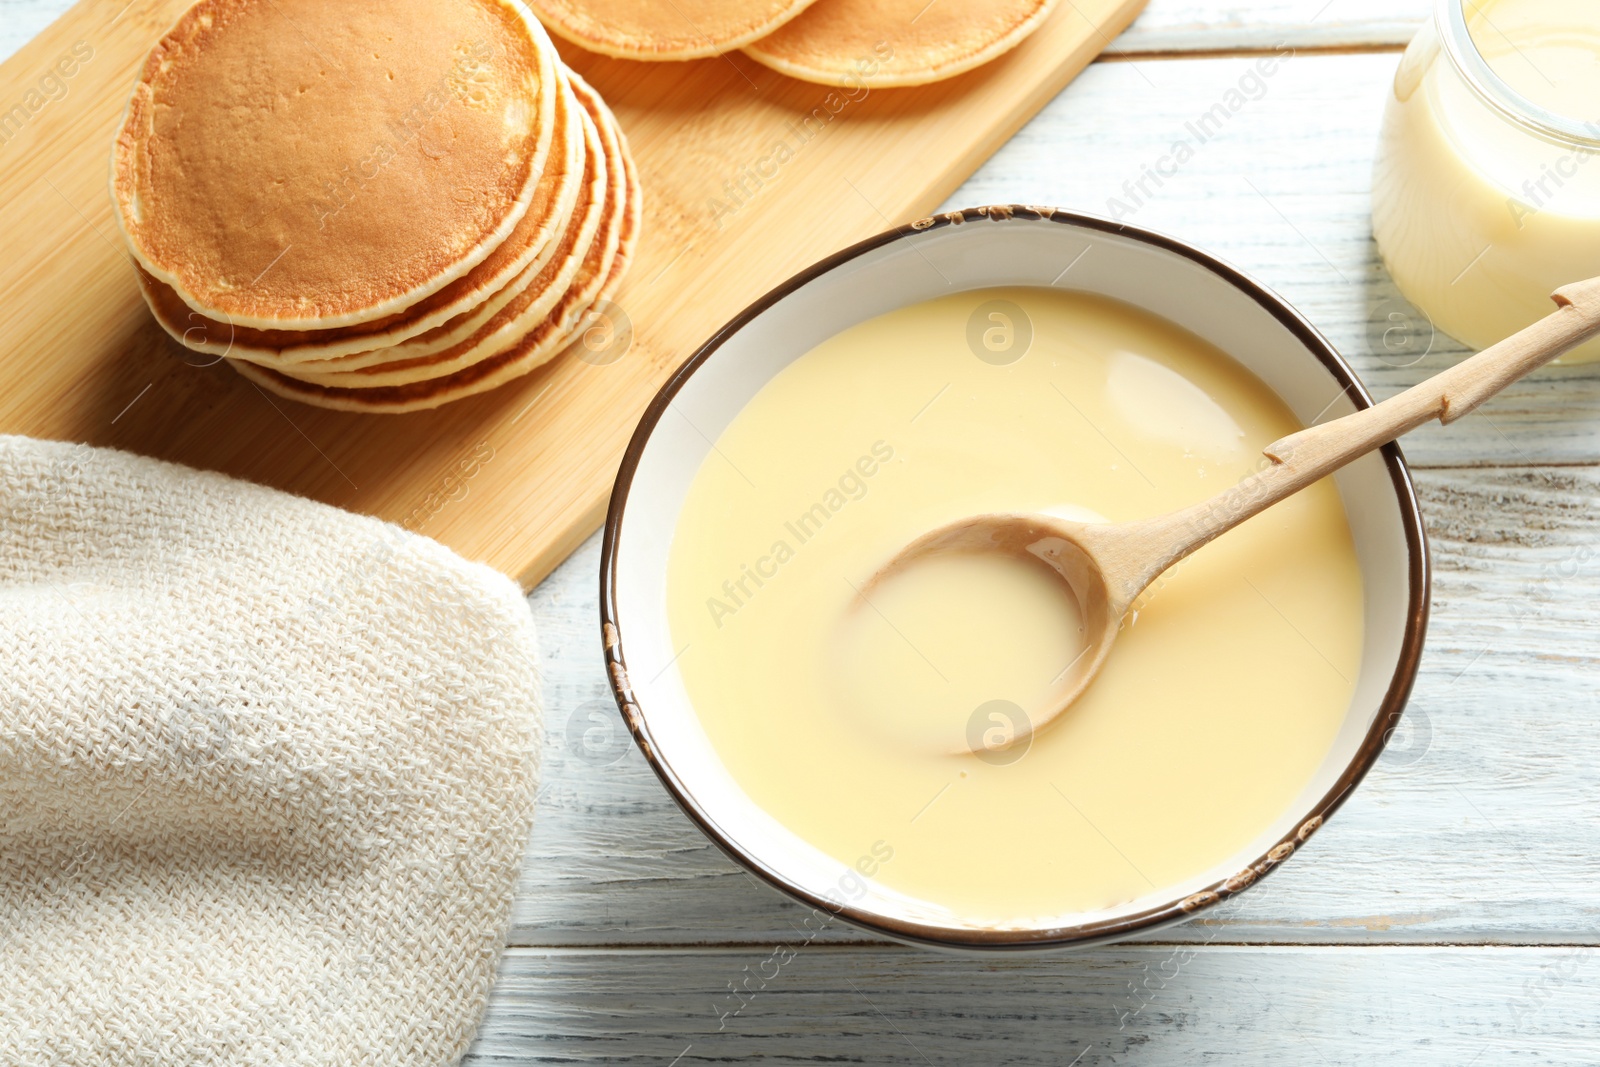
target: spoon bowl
1068 549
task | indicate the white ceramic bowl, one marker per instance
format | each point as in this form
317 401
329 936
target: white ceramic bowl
976 249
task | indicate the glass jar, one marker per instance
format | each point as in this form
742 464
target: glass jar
1485 199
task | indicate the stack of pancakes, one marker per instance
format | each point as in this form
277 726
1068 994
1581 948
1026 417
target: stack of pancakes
851 43
372 207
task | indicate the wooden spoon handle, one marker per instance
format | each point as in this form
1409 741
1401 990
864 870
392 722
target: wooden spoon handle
1304 457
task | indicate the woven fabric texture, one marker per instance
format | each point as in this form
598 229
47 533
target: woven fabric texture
267 772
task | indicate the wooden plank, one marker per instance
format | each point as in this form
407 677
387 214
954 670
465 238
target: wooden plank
21 20
1178 26
1478 826
515 477
1449 1006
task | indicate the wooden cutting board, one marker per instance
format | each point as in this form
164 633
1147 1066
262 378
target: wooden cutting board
517 477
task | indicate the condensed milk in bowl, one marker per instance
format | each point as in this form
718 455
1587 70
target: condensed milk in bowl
1486 189
868 748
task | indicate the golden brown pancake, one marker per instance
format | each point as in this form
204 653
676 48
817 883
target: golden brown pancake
513 321
570 322
300 164
585 305
437 320
883 43
527 355
535 335
664 29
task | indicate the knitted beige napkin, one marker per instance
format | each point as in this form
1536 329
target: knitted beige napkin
266 772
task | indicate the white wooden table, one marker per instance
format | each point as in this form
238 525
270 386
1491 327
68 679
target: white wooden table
1450 912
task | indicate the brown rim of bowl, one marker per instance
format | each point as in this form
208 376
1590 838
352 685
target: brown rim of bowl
1083 934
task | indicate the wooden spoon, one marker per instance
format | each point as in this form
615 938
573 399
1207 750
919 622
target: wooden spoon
1108 565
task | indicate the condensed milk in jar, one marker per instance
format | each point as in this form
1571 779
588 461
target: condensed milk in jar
1486 190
